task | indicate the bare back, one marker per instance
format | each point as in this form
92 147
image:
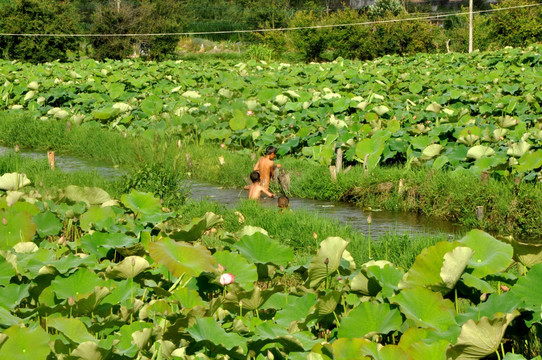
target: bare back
265 167
255 191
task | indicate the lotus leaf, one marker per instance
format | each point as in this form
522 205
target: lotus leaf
381 110
105 114
496 304
17 227
145 206
47 224
481 338
126 345
326 261
128 268
434 107
426 308
245 273
98 218
193 95
182 258
349 349
490 255
152 105
207 329
525 253
455 263
369 319
297 310
123 107
25 247
188 298
415 88
88 195
238 121
528 289
518 149
431 151
195 229
387 276
13 181
99 243
259 248
89 350
529 161
12 294
477 283
6 319
73 329
80 283
25 343
122 293
478 151
291 342
7 271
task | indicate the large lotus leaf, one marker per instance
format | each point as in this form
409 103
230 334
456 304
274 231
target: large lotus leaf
490 255
477 283
123 292
25 343
238 121
434 107
152 105
349 349
528 289
291 342
425 351
525 253
129 267
126 345
99 218
297 310
251 300
369 319
81 282
529 161
99 243
47 224
7 271
518 149
426 308
12 294
427 268
107 113
6 319
188 298
505 303
431 151
182 258
259 248
378 352
511 356
387 276
369 150
455 263
72 328
479 339
413 335
13 181
327 260
207 329
381 110
89 350
478 151
85 304
15 227
245 273
364 284
88 195
145 206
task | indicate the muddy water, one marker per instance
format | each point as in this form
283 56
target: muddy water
383 222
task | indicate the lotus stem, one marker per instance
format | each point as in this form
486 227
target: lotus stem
336 319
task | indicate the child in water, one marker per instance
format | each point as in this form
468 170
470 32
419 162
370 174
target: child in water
255 190
265 166
283 203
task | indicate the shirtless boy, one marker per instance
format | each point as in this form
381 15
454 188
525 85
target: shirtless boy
265 166
256 189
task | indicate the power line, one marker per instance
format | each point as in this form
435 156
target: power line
431 17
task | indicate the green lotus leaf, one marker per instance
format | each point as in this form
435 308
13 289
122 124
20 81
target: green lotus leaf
146 207
25 343
195 229
88 195
479 339
7 271
362 283
15 227
122 293
387 276
13 181
207 329
413 335
507 121
245 273
434 107
511 356
525 253
81 282
89 350
455 263
33 85
426 308
529 161
415 88
278 301
12 294
116 90
251 300
528 289
152 105
12 197
141 338
381 110
349 349
369 150
431 151
47 224
281 99
99 218
259 248
490 255
298 310
369 319
99 243
105 114
427 268
252 104
193 95
25 247
326 261
188 298
477 283
128 268
73 329
518 149
126 345
7 319
505 303
182 258
428 351
478 151
238 121
224 92
291 342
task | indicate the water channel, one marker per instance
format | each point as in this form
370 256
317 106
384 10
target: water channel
383 222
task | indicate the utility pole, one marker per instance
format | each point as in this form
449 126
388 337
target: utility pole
471 8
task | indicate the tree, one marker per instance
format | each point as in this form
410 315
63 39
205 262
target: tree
38 17
383 7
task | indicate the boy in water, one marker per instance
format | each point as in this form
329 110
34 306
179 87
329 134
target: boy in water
265 166
255 190
283 203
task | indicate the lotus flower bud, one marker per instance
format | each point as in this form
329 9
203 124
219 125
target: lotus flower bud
369 219
4 221
17 148
133 261
415 117
270 355
315 235
226 279
483 297
250 112
222 146
221 268
326 261
505 288
71 301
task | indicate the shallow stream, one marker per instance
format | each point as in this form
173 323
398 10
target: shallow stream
383 222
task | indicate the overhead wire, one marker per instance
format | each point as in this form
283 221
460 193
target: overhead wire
327 26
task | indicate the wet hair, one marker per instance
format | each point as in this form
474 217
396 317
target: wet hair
270 150
283 202
255 176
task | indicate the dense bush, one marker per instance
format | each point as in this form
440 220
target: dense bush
38 17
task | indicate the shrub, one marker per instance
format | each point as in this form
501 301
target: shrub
310 42
382 8
38 17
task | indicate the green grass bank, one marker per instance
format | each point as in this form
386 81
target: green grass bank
509 208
